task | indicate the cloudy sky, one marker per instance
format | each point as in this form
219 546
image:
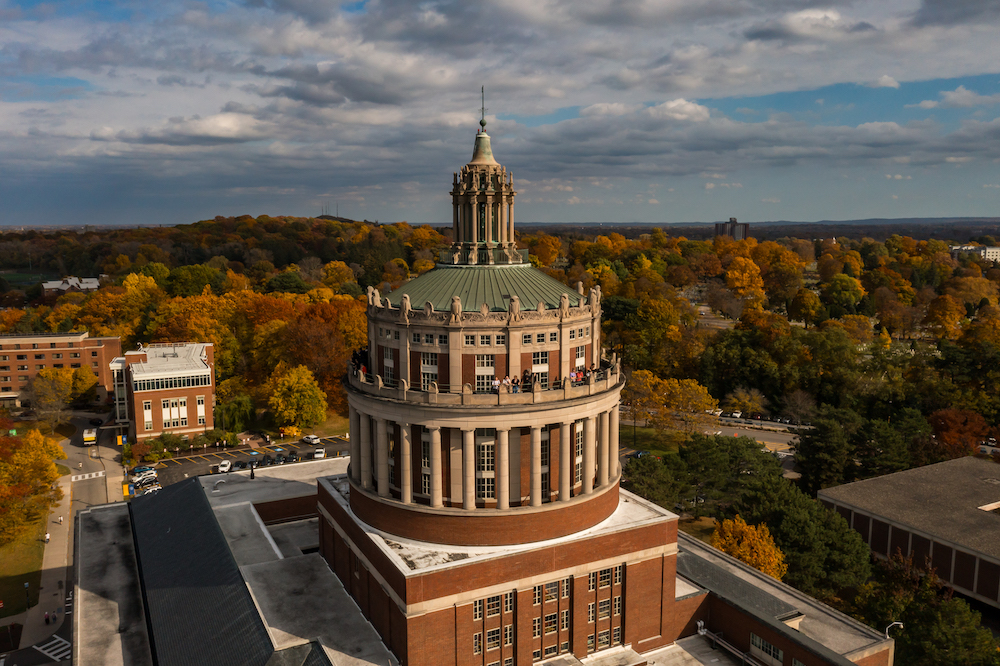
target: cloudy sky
127 112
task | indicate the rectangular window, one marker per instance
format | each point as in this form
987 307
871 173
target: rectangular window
485 361
429 359
536 627
766 648
564 620
579 333
509 661
590 643
539 337
484 457
618 575
470 341
39 357
605 577
540 358
551 623
395 335
484 340
428 338
22 357
493 639
592 582
201 420
184 421
536 655
551 591
93 354
165 404
604 609
149 425
54 356
501 339
538 594
425 484
74 365
493 606
508 602
616 636
564 647
572 334
591 612
39 367
74 354
508 634
5 357
387 354
22 367
796 662
477 643
618 605
553 337
201 400
603 639
477 609
581 357
416 338
565 587
485 488
551 650
442 339
526 339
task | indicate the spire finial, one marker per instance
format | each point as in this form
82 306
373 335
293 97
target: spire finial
482 121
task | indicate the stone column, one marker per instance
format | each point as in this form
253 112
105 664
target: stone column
382 457
436 475
355 444
536 466
406 471
615 443
565 466
588 455
502 469
475 220
366 451
602 451
468 469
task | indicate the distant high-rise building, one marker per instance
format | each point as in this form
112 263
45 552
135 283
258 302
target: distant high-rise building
733 229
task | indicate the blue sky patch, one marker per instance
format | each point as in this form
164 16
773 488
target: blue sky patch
42 88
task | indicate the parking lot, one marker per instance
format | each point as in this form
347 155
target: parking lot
177 469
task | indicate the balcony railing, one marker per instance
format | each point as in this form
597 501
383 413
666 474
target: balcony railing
599 381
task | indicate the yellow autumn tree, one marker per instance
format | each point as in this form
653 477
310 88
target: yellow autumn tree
27 477
296 398
743 279
752 545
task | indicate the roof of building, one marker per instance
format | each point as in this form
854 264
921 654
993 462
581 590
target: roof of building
412 557
493 285
820 629
482 152
67 283
199 607
943 500
170 359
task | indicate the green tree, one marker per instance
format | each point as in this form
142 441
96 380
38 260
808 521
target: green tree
238 412
50 393
296 398
825 556
290 282
804 306
844 291
825 453
84 385
191 280
659 481
880 449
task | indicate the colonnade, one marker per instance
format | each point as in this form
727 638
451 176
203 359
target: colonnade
370 438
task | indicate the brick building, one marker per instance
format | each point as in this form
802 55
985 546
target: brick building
22 356
165 388
485 526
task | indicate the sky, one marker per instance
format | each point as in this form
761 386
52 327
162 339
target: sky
669 111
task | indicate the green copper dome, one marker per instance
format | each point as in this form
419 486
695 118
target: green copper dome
493 285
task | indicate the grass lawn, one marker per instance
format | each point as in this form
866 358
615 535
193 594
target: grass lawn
646 439
699 528
20 563
63 470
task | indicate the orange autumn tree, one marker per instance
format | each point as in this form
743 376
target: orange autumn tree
751 545
27 477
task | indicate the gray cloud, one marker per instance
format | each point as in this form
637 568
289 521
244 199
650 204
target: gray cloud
954 12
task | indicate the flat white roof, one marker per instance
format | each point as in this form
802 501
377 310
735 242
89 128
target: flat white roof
170 360
413 557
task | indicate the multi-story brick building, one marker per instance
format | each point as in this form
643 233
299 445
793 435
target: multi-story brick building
22 356
165 388
481 524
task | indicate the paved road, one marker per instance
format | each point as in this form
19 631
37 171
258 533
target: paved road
173 470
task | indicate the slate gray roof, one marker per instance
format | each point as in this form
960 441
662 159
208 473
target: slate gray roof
941 499
198 607
727 585
493 285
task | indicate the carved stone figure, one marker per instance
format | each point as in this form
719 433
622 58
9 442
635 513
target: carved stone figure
541 307
564 305
595 298
456 310
484 309
579 288
404 309
515 308
428 309
374 298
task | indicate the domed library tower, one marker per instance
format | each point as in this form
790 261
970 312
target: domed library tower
481 520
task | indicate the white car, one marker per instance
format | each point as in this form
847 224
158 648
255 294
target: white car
225 466
311 439
140 478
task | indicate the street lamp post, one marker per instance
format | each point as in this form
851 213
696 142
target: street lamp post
27 599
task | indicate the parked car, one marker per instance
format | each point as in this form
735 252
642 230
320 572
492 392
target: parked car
292 457
240 464
319 453
140 470
150 490
225 466
138 478
311 439
266 461
279 459
146 482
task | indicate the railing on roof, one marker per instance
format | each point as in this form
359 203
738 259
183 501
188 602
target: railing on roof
606 379
41 334
482 256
